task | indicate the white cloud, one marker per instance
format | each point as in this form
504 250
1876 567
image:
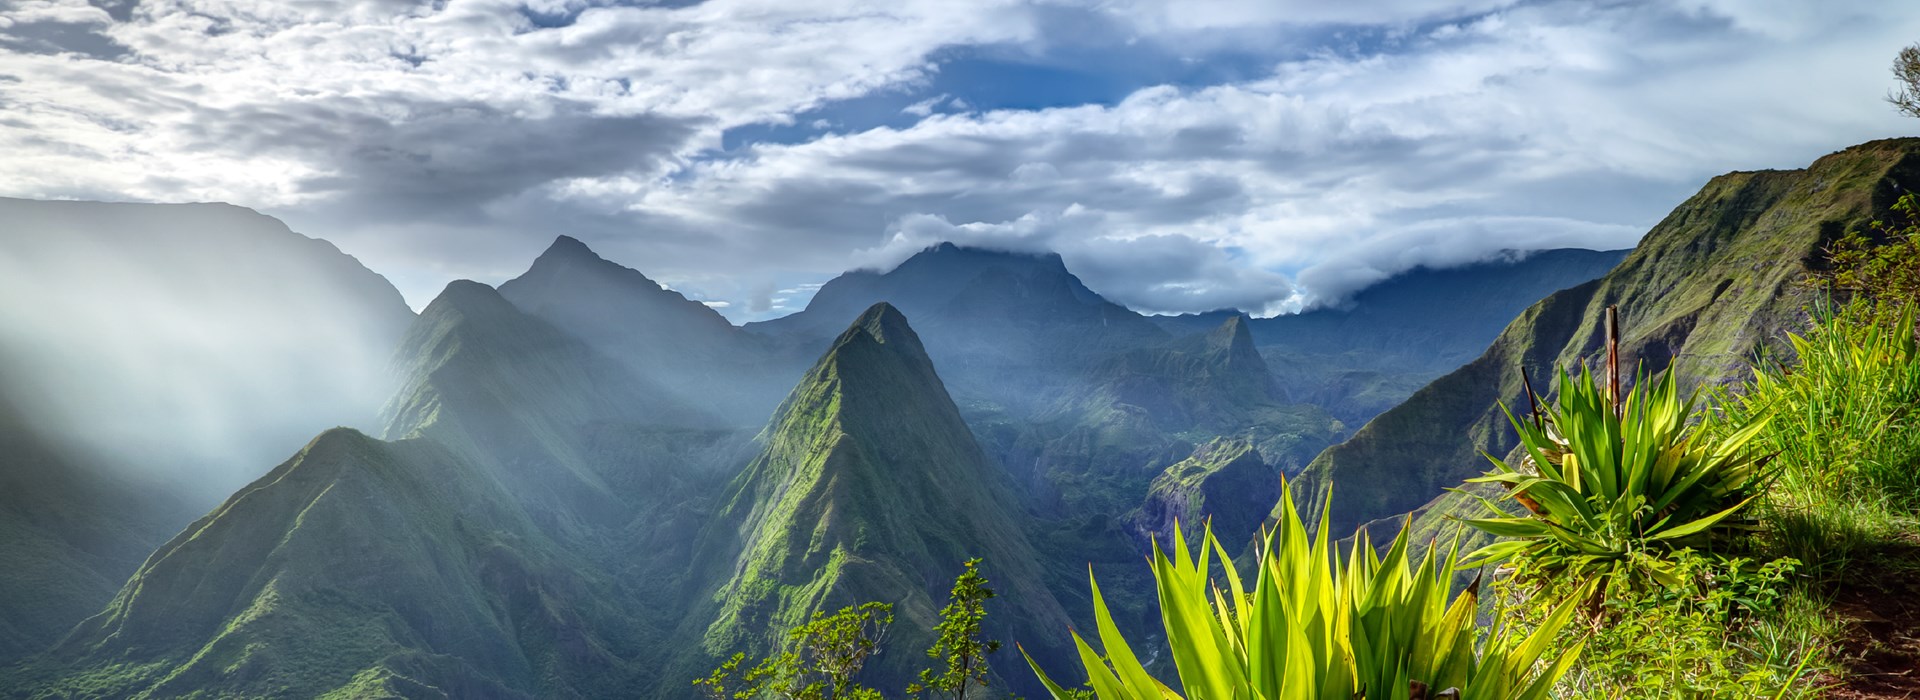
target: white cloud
1557 125
455 138
924 107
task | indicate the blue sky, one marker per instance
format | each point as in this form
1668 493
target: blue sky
1181 156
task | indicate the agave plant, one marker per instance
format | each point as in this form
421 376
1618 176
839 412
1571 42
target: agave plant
1609 482
1311 628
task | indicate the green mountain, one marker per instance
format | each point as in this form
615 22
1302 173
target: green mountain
1705 290
1209 379
1373 351
501 387
680 345
359 568
70 534
1008 330
482 553
145 373
1224 484
870 487
1137 412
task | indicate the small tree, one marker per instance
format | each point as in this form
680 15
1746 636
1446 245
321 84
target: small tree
823 657
960 645
1906 70
1880 266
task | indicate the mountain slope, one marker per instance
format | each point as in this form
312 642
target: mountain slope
358 567
678 344
1137 412
1706 288
70 534
473 556
1224 484
1005 328
870 487
153 358
1213 378
500 387
195 342
1371 353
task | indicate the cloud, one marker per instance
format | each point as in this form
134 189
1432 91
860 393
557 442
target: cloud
1342 143
1540 126
924 107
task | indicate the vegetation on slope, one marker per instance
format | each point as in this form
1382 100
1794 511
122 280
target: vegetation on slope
869 486
1313 628
679 346
1705 291
475 556
70 533
357 564
1364 357
1812 597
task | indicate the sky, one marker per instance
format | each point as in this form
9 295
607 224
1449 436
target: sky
1180 156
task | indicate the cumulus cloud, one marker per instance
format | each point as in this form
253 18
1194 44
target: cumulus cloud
1353 141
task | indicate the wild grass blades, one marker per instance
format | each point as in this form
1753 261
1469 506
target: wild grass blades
1850 394
1312 628
1845 423
1617 481
1735 629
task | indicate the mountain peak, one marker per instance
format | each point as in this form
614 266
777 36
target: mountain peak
879 354
948 250
882 322
1232 341
568 247
1234 332
465 297
869 463
568 257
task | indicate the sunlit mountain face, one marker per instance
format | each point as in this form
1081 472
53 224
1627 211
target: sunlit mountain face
569 349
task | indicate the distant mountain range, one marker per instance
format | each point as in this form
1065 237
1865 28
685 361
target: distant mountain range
582 484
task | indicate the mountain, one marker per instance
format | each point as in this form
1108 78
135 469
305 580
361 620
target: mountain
681 345
193 343
489 549
501 387
1708 287
70 534
1205 379
1136 412
1432 314
1224 484
152 358
1374 351
871 487
358 568
1005 328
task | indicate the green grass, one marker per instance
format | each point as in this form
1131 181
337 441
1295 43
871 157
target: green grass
1846 431
1753 614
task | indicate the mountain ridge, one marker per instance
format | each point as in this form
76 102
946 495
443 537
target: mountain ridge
869 469
1710 285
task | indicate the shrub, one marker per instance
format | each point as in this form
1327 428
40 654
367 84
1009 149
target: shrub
826 653
1311 628
1845 424
1732 628
1881 265
1613 484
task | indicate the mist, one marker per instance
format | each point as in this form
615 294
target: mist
188 347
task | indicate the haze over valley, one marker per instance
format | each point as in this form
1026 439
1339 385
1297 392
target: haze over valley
758 351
